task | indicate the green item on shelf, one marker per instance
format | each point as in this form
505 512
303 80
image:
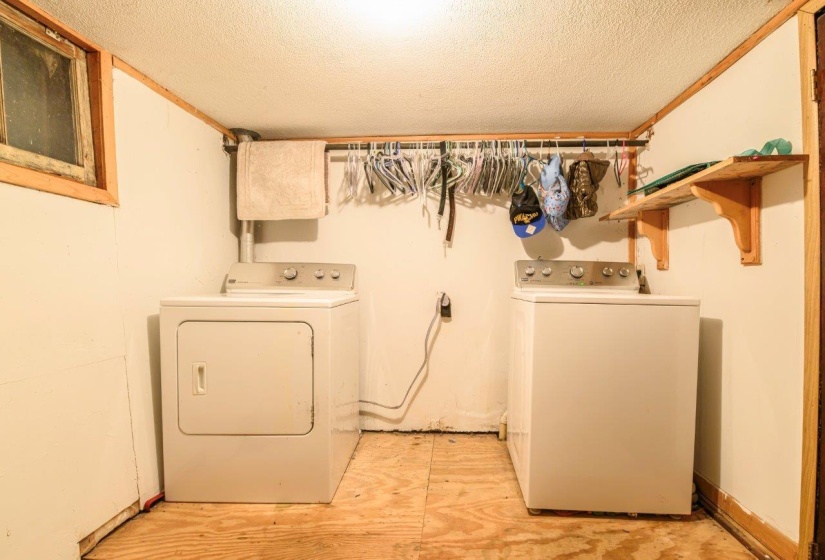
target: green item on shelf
671 178
779 145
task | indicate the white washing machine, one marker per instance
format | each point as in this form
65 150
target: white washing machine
602 392
260 386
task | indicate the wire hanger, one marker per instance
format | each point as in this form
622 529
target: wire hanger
585 155
619 167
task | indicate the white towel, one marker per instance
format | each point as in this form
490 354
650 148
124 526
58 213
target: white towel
281 180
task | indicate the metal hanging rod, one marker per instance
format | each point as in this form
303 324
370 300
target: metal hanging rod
547 143
533 139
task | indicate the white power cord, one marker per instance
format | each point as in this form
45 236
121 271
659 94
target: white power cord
442 299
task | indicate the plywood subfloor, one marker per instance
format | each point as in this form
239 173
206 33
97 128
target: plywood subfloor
414 496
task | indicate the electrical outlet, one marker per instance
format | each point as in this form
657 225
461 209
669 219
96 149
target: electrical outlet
446 306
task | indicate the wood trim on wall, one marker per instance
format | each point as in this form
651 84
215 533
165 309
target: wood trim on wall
632 182
160 90
90 541
103 121
471 137
97 63
813 6
735 55
810 392
42 16
100 64
743 523
631 242
55 184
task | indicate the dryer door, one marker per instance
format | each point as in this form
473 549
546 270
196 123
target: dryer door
245 378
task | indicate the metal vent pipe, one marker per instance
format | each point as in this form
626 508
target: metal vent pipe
247 237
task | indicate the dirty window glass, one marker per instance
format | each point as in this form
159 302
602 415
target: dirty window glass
37 97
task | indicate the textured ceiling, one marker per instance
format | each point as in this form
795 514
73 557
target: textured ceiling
300 68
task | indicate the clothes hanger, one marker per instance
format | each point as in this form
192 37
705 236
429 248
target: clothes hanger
352 170
559 155
508 172
478 150
510 182
534 168
501 169
467 163
469 159
404 170
585 155
383 166
367 172
418 165
523 162
490 164
619 168
395 167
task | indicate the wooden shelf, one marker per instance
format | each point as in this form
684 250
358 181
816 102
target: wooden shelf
733 168
732 186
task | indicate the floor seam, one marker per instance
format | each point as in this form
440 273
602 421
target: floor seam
426 498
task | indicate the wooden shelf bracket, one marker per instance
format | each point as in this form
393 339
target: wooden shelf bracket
733 187
739 201
654 224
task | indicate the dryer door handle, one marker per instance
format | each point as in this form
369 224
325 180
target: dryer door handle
199 378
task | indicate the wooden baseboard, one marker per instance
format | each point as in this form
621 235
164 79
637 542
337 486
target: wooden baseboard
90 541
763 539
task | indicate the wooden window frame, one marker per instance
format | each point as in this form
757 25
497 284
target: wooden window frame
102 139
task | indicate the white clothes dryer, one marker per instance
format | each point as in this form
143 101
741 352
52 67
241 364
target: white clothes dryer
602 391
260 386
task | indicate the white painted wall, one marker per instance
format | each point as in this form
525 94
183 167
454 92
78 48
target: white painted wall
79 291
749 427
402 264
176 234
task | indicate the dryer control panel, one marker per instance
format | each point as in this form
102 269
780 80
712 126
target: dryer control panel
262 278
583 275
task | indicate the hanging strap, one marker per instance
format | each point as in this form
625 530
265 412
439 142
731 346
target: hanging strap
445 168
451 222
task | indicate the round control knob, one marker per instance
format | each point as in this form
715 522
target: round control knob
577 272
547 271
529 271
624 273
607 272
336 274
319 274
290 273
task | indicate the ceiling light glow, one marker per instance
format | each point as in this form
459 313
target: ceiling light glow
393 17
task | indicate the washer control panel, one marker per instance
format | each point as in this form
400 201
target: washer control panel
261 278
584 275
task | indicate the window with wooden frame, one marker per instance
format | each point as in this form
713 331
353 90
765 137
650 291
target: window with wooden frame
56 107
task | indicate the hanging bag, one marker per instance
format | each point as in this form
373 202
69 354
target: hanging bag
555 192
584 177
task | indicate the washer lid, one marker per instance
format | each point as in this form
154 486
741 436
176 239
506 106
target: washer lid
603 298
316 299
